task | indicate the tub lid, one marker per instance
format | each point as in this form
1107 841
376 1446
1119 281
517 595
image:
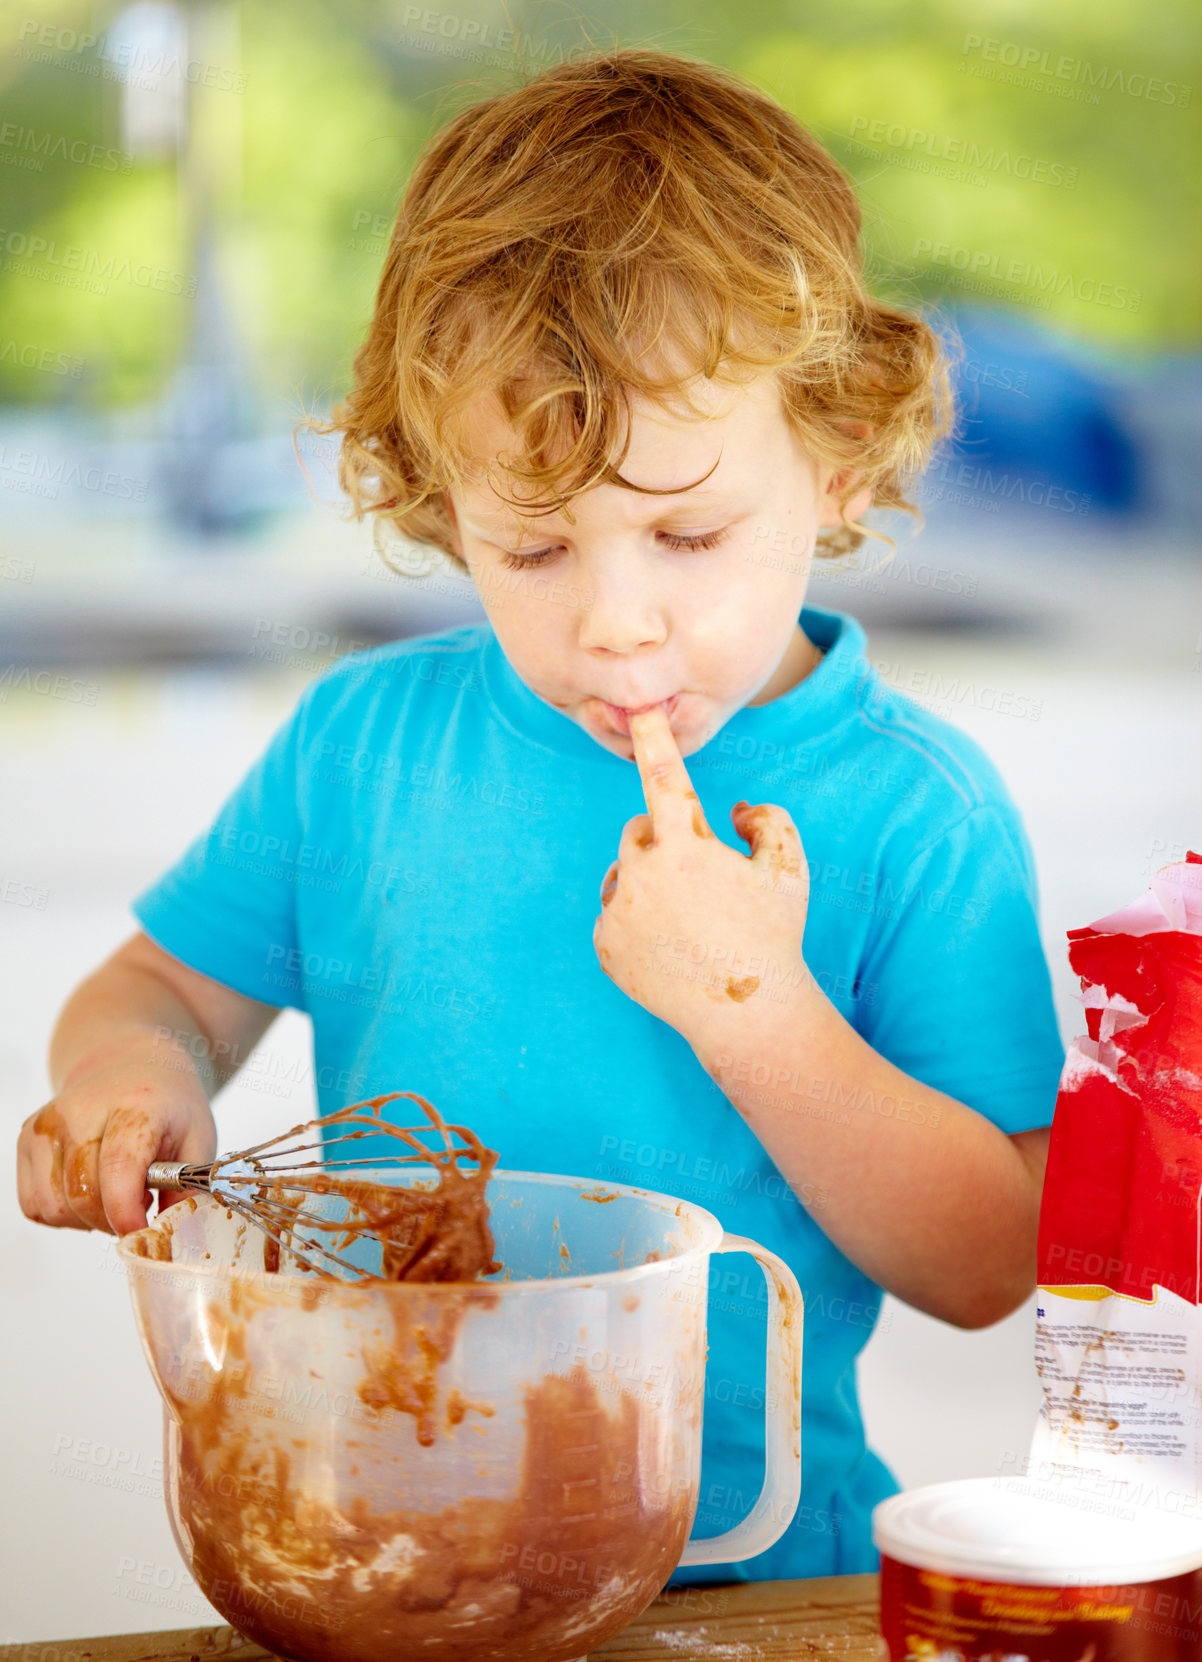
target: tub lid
1077 1534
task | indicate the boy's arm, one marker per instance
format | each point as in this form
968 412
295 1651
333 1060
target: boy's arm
930 1198
913 1186
139 1048
143 1000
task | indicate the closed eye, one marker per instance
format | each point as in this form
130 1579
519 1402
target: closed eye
708 539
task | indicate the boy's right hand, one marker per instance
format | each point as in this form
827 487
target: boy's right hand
82 1159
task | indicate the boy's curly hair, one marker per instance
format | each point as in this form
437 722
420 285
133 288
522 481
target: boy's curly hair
552 235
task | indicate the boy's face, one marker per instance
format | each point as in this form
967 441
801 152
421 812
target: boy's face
615 614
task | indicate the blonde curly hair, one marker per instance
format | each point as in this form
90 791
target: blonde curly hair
553 236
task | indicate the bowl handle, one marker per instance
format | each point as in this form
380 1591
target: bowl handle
773 1511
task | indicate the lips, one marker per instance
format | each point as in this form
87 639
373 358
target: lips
617 716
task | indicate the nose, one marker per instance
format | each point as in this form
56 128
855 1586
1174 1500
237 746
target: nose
625 614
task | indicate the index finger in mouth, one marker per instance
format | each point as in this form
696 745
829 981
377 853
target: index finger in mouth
672 803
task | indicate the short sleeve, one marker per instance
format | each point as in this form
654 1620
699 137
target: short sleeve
227 908
956 989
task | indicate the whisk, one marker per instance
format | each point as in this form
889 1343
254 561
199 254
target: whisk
423 1234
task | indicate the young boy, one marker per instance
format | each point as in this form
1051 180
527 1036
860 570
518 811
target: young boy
623 368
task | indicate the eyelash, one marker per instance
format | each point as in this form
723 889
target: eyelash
522 562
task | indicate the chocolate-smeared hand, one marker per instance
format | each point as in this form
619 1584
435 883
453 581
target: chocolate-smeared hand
688 926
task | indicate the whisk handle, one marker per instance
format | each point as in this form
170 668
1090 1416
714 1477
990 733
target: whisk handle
173 1174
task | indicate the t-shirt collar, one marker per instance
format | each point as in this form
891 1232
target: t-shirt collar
807 711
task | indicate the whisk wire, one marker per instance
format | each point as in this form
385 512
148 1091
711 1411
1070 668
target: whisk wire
269 1169
370 1126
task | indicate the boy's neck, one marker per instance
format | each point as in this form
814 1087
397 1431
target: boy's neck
800 659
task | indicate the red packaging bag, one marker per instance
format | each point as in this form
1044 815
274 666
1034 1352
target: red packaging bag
1119 1326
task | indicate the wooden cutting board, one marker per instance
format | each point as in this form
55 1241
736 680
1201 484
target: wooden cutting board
748 1621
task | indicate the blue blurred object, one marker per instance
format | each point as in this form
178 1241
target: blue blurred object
1031 406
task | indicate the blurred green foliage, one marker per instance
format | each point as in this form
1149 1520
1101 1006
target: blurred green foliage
1032 158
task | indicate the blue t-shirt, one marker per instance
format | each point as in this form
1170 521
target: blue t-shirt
416 862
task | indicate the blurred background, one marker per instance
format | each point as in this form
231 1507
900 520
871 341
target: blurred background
196 199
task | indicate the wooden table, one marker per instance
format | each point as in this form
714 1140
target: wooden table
747 1621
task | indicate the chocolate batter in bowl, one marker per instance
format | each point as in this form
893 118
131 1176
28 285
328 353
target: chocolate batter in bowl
479 1471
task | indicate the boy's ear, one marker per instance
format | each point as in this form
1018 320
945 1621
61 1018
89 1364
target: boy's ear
828 507
841 480
453 524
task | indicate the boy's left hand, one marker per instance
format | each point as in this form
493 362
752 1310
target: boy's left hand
689 926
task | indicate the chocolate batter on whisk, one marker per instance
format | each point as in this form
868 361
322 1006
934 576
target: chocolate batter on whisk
424 1234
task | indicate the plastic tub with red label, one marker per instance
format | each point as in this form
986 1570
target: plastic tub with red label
1011 1570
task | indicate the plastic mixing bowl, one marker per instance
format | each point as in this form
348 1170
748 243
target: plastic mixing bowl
500 1469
